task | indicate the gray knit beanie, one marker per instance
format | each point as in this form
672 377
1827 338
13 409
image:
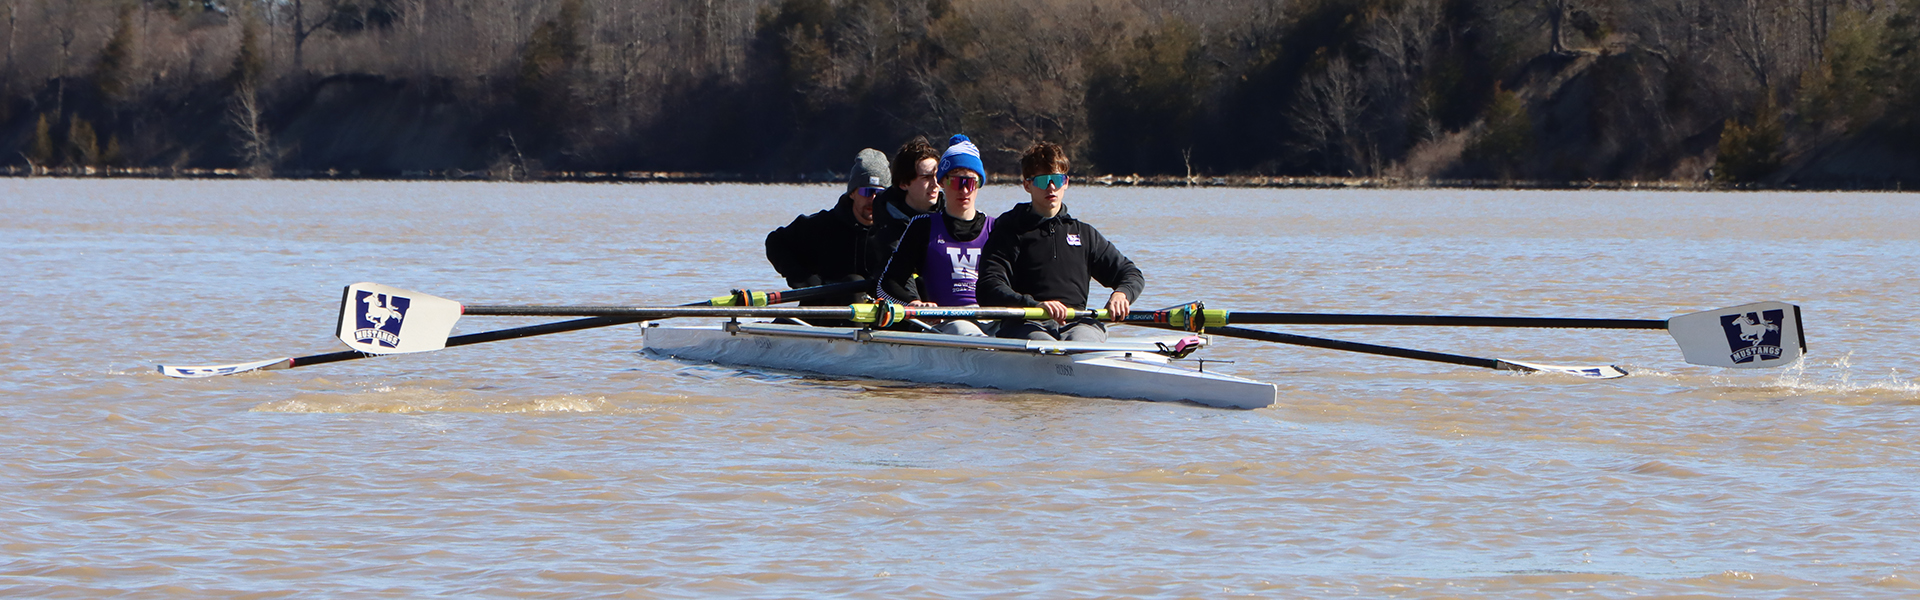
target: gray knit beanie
869 170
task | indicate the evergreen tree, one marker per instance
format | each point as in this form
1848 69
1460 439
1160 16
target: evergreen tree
115 71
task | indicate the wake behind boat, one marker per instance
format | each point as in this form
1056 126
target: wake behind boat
1127 368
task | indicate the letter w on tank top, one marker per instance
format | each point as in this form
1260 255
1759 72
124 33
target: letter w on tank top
966 262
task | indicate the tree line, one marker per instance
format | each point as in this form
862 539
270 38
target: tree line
1785 92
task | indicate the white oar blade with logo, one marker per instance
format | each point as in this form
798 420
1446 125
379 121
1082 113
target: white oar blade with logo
379 319
1749 336
1589 372
218 370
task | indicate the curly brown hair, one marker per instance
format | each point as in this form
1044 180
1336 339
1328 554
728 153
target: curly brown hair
907 159
1043 158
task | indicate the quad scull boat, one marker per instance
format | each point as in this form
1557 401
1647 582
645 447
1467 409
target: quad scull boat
1129 368
378 320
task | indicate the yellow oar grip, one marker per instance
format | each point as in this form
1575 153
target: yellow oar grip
742 298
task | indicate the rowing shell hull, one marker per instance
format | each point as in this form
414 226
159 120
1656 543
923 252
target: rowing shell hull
844 352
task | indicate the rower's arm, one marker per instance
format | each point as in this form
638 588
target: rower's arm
896 282
995 287
1113 269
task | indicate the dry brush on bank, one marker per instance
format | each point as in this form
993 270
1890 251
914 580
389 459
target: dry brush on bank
1789 92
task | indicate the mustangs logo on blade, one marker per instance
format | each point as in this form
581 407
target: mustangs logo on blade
1754 335
379 321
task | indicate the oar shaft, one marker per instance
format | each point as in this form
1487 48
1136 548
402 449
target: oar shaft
1279 318
866 313
1314 342
476 338
794 295
861 313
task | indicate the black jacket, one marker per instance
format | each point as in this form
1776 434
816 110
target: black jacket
1029 259
829 246
890 216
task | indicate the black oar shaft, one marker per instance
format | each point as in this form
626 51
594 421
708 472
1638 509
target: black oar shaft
1314 342
859 312
476 338
660 312
794 295
1279 318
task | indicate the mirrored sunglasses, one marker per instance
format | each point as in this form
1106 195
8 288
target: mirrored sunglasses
1047 182
964 184
869 192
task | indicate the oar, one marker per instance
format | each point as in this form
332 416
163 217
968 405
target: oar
1595 372
1763 334
1756 335
1284 318
738 298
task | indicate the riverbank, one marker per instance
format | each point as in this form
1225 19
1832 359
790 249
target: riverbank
1231 181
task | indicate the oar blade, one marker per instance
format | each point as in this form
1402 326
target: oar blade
218 370
1589 372
1750 336
380 319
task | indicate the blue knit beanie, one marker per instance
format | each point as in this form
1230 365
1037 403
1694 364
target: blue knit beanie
962 154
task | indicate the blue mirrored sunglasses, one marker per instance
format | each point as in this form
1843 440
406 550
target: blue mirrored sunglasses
1046 182
869 192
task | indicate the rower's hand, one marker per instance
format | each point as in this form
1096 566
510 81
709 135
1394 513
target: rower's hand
1056 311
918 303
1118 306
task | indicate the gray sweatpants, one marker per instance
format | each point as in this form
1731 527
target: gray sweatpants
1073 331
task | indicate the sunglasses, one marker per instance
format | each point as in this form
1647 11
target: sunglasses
963 183
1047 182
869 192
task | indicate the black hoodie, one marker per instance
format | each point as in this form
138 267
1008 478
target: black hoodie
1029 259
890 216
826 247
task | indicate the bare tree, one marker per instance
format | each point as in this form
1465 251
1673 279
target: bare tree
250 132
1755 37
1401 41
13 32
1329 114
65 18
304 28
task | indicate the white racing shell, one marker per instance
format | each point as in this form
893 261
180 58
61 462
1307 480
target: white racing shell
1123 368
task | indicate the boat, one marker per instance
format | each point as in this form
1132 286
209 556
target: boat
1142 368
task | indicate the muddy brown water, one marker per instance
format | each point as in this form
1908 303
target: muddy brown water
573 465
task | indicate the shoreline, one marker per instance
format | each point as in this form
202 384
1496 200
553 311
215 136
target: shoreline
1109 180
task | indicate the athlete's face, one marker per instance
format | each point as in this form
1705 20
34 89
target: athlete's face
925 186
963 190
863 203
1047 196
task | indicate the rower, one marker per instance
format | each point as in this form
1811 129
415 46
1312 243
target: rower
943 248
915 192
1039 255
835 245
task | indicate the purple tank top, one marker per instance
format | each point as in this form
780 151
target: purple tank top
952 271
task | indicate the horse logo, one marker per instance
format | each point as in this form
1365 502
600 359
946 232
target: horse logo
378 322
1753 335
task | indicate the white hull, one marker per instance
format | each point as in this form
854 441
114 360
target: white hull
1125 368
